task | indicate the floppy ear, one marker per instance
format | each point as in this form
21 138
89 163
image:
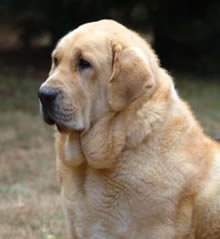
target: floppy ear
130 79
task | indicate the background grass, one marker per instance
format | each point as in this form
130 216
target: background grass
203 95
29 195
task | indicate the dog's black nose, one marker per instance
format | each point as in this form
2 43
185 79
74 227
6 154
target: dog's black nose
47 94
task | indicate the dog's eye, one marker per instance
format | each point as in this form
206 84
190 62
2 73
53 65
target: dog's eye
83 64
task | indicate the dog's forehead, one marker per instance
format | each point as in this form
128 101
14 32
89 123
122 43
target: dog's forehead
83 39
92 33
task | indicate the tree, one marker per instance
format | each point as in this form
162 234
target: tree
186 32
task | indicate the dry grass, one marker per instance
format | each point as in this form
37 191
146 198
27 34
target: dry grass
29 195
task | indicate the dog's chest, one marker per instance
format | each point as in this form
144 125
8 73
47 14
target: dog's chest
112 205
101 208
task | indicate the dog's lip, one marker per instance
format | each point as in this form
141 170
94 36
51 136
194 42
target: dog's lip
49 121
46 115
62 128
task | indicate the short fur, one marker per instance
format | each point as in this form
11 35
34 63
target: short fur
142 168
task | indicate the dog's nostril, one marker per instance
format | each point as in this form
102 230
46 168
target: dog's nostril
47 94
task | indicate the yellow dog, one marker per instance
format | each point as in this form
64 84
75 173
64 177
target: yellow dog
133 162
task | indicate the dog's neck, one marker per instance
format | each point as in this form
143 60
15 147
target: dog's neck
150 115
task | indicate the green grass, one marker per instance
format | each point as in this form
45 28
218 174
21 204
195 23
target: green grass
29 194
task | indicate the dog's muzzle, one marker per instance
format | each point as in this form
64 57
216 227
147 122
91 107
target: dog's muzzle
47 96
53 113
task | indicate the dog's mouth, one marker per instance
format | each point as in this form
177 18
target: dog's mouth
46 116
62 126
49 119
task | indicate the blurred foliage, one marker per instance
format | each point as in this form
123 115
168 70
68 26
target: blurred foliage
186 33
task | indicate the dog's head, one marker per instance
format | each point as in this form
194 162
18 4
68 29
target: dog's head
97 68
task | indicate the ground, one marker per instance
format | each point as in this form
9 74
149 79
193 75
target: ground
29 193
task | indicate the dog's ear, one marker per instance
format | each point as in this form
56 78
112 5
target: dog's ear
131 77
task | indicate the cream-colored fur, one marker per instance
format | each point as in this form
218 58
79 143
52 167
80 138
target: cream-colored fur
142 168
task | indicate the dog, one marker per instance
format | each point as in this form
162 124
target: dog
132 161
